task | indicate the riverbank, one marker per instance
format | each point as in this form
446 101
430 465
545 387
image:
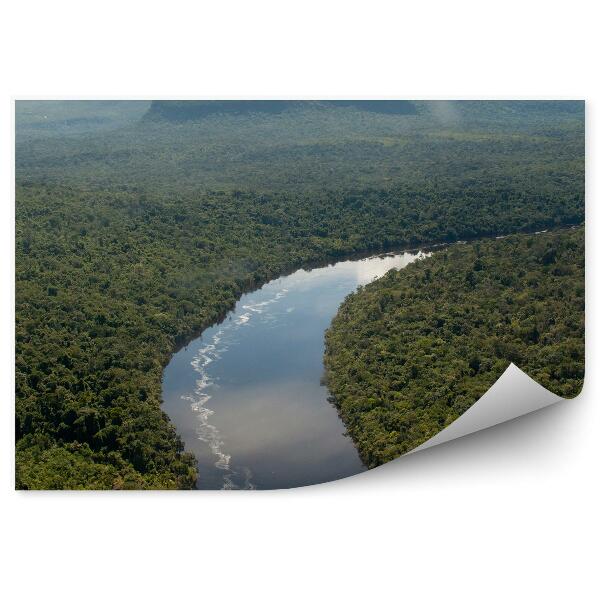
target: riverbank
246 396
144 276
409 353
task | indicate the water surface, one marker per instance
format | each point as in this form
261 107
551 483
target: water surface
246 396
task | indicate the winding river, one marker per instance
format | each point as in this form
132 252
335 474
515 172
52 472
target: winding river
246 396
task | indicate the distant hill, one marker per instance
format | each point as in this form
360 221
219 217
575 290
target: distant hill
193 110
308 145
389 107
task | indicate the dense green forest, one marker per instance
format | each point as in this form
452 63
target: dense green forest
535 147
132 238
410 352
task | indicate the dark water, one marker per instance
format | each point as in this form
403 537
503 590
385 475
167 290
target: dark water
246 396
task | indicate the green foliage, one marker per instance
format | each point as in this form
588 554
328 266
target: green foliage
123 252
530 146
410 352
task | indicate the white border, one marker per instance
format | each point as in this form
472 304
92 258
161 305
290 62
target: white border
510 512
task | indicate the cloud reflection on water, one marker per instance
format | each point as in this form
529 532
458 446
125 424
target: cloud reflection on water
260 416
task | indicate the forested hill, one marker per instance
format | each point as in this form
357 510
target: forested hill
409 353
191 110
310 149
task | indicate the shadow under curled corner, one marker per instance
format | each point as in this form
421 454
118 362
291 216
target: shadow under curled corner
509 402
513 395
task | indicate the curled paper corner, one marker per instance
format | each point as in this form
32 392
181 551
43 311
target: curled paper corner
513 395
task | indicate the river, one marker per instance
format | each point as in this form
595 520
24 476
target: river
246 396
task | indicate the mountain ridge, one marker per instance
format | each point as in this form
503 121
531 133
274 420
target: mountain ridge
191 110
